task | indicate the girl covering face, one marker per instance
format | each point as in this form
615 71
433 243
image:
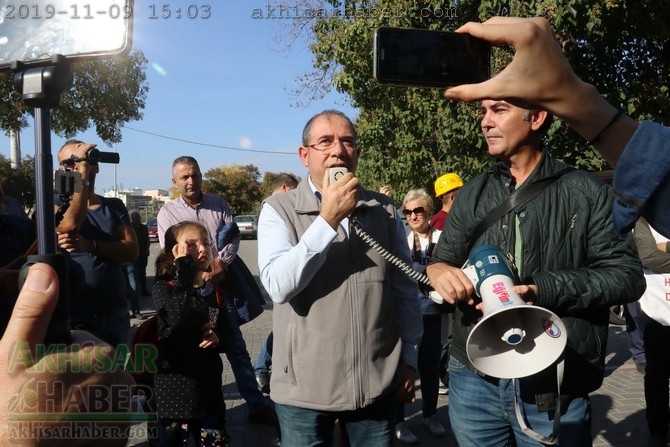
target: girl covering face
193 329
192 240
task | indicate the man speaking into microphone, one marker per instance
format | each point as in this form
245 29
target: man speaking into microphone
346 322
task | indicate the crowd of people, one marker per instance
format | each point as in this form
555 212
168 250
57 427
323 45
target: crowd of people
352 332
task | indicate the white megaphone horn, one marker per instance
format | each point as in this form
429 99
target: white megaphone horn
513 339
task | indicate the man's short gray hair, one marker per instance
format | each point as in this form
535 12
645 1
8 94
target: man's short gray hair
307 130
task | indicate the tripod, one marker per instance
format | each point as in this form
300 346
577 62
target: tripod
41 88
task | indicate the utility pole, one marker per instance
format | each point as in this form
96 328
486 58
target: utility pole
116 190
15 148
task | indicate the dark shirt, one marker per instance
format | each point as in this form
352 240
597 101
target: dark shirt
188 381
142 238
95 288
17 233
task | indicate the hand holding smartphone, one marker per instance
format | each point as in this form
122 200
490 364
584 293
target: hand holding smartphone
427 58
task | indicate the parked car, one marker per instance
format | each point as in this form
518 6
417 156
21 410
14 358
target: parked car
248 226
152 227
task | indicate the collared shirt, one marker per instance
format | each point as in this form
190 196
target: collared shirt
212 211
656 265
286 269
298 266
283 280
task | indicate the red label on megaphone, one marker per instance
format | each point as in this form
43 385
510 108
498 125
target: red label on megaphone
500 291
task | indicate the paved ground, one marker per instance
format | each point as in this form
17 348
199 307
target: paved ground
618 406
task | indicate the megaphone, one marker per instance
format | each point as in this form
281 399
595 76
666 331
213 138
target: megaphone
513 339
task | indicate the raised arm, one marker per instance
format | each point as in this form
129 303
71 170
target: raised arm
74 216
540 76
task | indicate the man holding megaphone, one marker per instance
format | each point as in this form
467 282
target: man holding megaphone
529 346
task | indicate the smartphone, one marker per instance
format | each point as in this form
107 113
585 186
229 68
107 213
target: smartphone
334 174
425 58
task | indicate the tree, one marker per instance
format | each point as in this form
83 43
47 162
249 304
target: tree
19 184
105 92
409 136
238 184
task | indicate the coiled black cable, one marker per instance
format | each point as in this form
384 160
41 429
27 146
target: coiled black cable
402 265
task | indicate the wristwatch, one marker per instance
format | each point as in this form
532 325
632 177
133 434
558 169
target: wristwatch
85 182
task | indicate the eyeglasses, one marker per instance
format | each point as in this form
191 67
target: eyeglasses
326 147
418 210
69 163
194 244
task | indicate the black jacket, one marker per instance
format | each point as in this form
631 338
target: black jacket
570 250
188 378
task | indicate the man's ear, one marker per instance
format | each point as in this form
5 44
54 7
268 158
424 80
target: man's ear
537 118
303 153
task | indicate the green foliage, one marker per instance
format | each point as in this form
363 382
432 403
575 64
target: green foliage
20 183
12 109
410 136
106 93
237 184
240 186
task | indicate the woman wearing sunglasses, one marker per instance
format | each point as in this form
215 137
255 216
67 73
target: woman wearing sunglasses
417 207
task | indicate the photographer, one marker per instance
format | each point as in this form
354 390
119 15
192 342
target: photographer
97 233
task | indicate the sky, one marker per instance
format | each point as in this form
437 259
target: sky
223 80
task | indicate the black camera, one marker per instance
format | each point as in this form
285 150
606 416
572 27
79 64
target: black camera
67 181
95 156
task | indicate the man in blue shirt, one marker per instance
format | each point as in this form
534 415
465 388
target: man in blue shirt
97 233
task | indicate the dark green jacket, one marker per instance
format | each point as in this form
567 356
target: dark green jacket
570 250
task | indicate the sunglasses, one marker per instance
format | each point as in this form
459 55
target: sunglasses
418 210
69 163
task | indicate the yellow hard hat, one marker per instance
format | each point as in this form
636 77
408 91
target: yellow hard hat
446 183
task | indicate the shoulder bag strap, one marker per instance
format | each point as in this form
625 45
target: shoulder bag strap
516 199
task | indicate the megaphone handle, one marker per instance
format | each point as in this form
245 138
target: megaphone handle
471 272
436 297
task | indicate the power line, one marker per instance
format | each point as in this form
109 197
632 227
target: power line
208 144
